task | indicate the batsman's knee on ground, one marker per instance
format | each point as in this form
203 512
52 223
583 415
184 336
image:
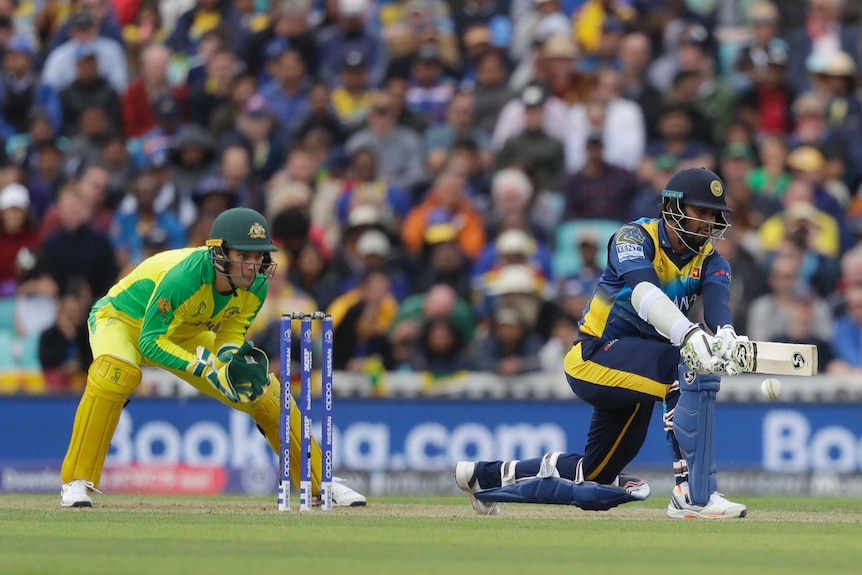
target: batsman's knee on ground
266 415
110 381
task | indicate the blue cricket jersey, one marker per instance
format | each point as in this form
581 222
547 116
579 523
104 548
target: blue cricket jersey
638 245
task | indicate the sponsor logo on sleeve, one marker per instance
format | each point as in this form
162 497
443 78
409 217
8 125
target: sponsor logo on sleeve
627 252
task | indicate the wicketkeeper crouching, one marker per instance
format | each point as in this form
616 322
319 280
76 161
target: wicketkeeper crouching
185 311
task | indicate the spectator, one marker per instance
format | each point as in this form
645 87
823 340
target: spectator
772 315
361 319
59 70
821 35
766 105
139 101
352 99
288 25
105 24
351 32
460 124
442 262
509 348
89 89
445 203
19 234
599 190
204 16
430 89
619 120
771 178
22 90
256 130
159 140
190 158
321 116
77 248
364 185
64 348
491 91
847 337
511 120
635 55
286 94
132 229
398 149
441 350
396 89
534 150
754 55
215 91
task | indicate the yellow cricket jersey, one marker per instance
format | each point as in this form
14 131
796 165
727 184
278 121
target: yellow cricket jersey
643 244
171 298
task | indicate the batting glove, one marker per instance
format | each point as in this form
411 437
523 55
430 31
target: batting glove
727 338
699 352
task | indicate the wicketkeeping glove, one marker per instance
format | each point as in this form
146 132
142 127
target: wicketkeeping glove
205 367
248 373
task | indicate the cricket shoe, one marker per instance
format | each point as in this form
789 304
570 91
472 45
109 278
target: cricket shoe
344 496
465 477
77 493
716 508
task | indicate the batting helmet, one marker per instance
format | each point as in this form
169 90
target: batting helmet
697 187
700 188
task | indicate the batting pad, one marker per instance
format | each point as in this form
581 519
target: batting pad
587 495
110 381
266 416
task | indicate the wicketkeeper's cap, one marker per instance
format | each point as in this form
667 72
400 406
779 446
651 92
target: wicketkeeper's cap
241 229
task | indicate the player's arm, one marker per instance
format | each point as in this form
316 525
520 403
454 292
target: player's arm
716 304
164 314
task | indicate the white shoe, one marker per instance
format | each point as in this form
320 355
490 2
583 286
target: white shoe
716 508
465 477
344 496
77 493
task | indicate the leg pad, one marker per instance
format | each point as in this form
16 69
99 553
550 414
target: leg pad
266 416
110 381
587 495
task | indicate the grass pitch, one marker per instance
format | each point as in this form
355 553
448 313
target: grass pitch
414 536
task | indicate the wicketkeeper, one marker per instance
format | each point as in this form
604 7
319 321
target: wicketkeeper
186 311
638 348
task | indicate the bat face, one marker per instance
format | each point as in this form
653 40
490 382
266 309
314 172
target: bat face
775 358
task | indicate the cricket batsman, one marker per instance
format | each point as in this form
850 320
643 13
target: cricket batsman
185 311
637 348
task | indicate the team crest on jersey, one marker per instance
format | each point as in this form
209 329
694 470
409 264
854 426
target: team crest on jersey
200 309
257 231
164 306
231 311
630 235
716 188
695 272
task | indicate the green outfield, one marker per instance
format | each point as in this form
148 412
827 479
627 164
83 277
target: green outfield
411 536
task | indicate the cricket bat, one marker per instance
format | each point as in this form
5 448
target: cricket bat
775 358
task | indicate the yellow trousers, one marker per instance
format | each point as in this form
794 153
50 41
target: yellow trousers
98 412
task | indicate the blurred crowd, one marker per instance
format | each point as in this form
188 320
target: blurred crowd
441 176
